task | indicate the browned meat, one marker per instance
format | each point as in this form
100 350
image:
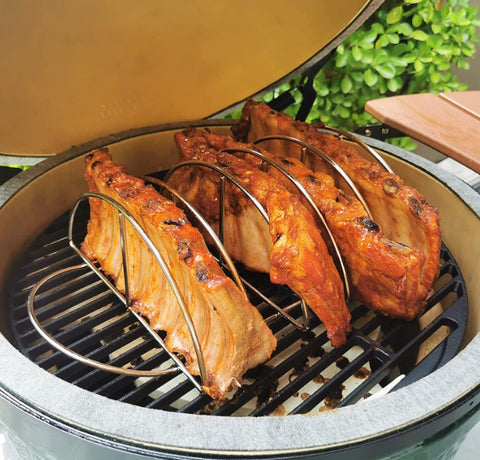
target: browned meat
401 212
246 232
298 256
231 332
384 275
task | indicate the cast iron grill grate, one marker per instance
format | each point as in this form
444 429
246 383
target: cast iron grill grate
305 374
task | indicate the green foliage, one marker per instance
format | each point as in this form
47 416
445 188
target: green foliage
408 47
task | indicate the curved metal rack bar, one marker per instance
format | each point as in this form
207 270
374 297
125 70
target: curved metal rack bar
325 157
206 227
124 214
83 359
224 174
307 196
351 137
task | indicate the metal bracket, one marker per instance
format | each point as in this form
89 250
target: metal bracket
379 131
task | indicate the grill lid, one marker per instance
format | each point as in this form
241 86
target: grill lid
79 71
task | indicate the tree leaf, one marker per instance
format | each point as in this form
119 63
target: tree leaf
435 76
382 41
325 118
371 77
357 53
371 35
444 50
419 35
377 28
323 91
394 84
400 50
399 61
394 39
395 15
357 77
346 84
367 56
343 112
338 98
403 28
417 21
418 65
445 11
386 70
463 65
341 59
409 57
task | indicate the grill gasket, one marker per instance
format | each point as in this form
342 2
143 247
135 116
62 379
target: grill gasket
48 253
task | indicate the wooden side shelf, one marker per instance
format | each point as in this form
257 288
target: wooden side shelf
449 123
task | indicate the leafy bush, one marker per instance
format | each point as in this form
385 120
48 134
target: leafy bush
408 47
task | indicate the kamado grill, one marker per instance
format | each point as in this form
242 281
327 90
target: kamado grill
395 388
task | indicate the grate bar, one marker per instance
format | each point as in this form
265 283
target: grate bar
91 378
171 396
102 349
86 306
71 283
28 281
123 389
80 337
247 393
335 382
102 334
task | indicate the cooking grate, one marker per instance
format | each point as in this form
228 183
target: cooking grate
305 374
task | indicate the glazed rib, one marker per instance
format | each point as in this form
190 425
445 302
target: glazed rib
232 334
401 212
298 256
384 275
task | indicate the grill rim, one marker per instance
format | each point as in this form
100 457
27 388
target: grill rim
107 422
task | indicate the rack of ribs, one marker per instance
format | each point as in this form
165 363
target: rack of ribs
232 334
400 211
384 275
297 253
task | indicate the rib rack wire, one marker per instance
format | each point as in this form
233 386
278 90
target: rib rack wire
83 321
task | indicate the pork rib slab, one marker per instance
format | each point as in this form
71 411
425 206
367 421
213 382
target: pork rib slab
232 333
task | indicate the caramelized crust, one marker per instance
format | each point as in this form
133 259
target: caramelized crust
400 211
298 255
231 332
384 275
